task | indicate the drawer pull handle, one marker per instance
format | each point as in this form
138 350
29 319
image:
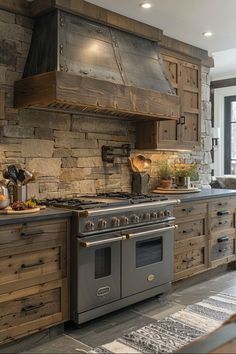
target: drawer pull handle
187 231
222 204
30 308
223 212
27 266
223 250
223 239
188 210
31 233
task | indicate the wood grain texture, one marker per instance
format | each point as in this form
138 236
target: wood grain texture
223 83
64 90
204 239
34 271
185 132
21 7
187 49
98 14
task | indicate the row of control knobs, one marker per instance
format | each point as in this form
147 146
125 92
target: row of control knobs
124 220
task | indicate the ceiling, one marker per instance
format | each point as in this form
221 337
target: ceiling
186 20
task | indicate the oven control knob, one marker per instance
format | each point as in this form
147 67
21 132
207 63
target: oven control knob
115 222
89 226
102 224
135 218
146 216
124 220
154 215
167 213
161 214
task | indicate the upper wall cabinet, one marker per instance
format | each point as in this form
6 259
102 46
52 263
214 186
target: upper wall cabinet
185 77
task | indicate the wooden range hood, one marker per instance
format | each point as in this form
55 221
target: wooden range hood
77 65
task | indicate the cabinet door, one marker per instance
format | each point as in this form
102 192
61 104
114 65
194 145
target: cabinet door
190 104
168 131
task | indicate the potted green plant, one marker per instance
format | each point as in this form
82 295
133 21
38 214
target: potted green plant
183 172
165 174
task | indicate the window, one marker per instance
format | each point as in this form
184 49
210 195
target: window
230 136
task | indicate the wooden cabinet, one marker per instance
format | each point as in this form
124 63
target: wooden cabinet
205 237
190 248
33 277
222 231
185 133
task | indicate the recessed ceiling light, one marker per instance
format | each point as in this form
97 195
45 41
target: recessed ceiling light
145 5
207 34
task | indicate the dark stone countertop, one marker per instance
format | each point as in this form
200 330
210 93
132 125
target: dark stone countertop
46 214
203 194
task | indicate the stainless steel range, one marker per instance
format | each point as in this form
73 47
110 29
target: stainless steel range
122 251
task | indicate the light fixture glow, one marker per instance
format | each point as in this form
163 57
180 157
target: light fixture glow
207 34
145 5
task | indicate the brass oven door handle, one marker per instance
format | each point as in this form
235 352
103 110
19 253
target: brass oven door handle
101 242
158 231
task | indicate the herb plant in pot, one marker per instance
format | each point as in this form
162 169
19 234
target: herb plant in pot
165 174
183 172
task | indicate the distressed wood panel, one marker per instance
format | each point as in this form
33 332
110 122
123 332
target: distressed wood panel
96 95
99 14
30 308
190 129
21 7
190 209
190 229
21 235
190 260
30 265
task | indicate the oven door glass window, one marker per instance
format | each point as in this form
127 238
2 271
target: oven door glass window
149 252
102 262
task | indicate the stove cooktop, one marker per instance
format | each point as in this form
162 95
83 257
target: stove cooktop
102 200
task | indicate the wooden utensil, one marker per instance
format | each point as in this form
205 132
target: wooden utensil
131 165
141 163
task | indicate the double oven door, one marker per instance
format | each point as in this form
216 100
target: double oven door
114 266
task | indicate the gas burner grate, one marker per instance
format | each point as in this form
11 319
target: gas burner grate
73 203
134 198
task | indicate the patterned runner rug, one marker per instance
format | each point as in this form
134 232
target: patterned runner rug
177 330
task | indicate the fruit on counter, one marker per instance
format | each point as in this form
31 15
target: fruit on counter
2 198
30 204
18 206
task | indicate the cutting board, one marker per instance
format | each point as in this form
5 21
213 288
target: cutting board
176 190
10 211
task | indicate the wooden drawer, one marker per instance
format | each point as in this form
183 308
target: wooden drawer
36 265
223 222
190 257
222 249
190 229
32 232
189 209
222 204
26 311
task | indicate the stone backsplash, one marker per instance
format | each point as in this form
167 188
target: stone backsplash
66 149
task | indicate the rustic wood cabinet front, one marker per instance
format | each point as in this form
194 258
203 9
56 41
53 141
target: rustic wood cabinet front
191 244
34 288
185 132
